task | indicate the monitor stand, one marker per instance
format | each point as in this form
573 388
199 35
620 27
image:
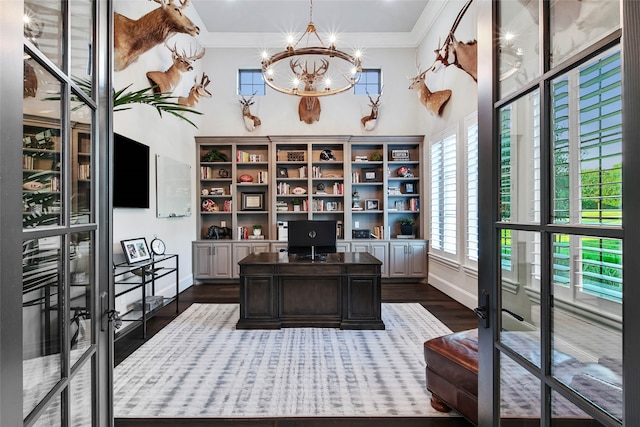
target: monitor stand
313 256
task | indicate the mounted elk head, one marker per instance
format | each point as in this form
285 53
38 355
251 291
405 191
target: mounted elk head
453 52
250 121
369 122
166 81
199 90
434 101
132 38
309 107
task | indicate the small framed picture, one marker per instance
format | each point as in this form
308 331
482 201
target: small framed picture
283 173
371 204
332 206
408 187
370 174
135 250
252 201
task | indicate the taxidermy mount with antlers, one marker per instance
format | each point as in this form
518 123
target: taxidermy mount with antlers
250 121
166 81
132 38
198 90
465 55
309 106
369 122
434 101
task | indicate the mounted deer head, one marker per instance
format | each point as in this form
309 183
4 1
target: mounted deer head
434 101
369 122
250 121
465 55
309 106
198 90
166 81
131 38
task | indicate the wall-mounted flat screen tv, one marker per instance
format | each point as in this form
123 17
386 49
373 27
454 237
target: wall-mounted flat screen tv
130 173
311 239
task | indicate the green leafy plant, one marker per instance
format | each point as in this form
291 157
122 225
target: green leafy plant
122 99
257 227
406 221
215 156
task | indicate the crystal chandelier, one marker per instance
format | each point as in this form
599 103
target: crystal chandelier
311 70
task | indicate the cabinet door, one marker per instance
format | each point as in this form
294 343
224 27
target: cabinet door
240 251
417 260
343 247
221 261
377 249
398 254
202 260
211 261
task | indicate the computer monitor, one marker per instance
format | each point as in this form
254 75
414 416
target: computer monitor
311 239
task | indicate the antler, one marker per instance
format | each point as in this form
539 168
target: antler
174 51
246 101
205 80
454 27
305 75
191 57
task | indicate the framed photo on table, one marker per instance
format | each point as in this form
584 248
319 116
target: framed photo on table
135 250
371 205
252 201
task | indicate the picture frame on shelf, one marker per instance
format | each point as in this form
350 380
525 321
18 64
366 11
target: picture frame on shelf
371 204
408 188
332 206
135 250
283 173
370 175
252 201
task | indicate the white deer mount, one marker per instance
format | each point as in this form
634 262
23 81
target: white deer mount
198 90
132 38
250 121
370 121
167 81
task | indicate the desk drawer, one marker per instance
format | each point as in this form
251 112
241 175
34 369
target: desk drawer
311 270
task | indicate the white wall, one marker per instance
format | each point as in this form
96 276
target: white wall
168 136
400 114
454 276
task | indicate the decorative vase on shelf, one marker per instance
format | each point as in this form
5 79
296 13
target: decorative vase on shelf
257 231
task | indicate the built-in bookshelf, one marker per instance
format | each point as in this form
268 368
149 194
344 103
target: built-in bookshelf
368 185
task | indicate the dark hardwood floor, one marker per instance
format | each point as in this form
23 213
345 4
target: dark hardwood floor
453 314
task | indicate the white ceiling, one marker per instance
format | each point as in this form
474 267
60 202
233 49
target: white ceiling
367 23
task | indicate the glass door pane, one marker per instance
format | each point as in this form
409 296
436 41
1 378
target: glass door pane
42 287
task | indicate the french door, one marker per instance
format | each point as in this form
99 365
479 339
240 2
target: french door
558 169
54 216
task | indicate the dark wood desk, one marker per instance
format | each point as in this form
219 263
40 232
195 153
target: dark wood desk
277 290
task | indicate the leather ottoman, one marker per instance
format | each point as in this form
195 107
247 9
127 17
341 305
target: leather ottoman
452 373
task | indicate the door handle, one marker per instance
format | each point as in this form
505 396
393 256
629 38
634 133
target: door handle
482 311
108 315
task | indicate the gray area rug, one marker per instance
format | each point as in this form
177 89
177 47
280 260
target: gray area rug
201 366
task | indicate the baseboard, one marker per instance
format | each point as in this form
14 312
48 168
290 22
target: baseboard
463 296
